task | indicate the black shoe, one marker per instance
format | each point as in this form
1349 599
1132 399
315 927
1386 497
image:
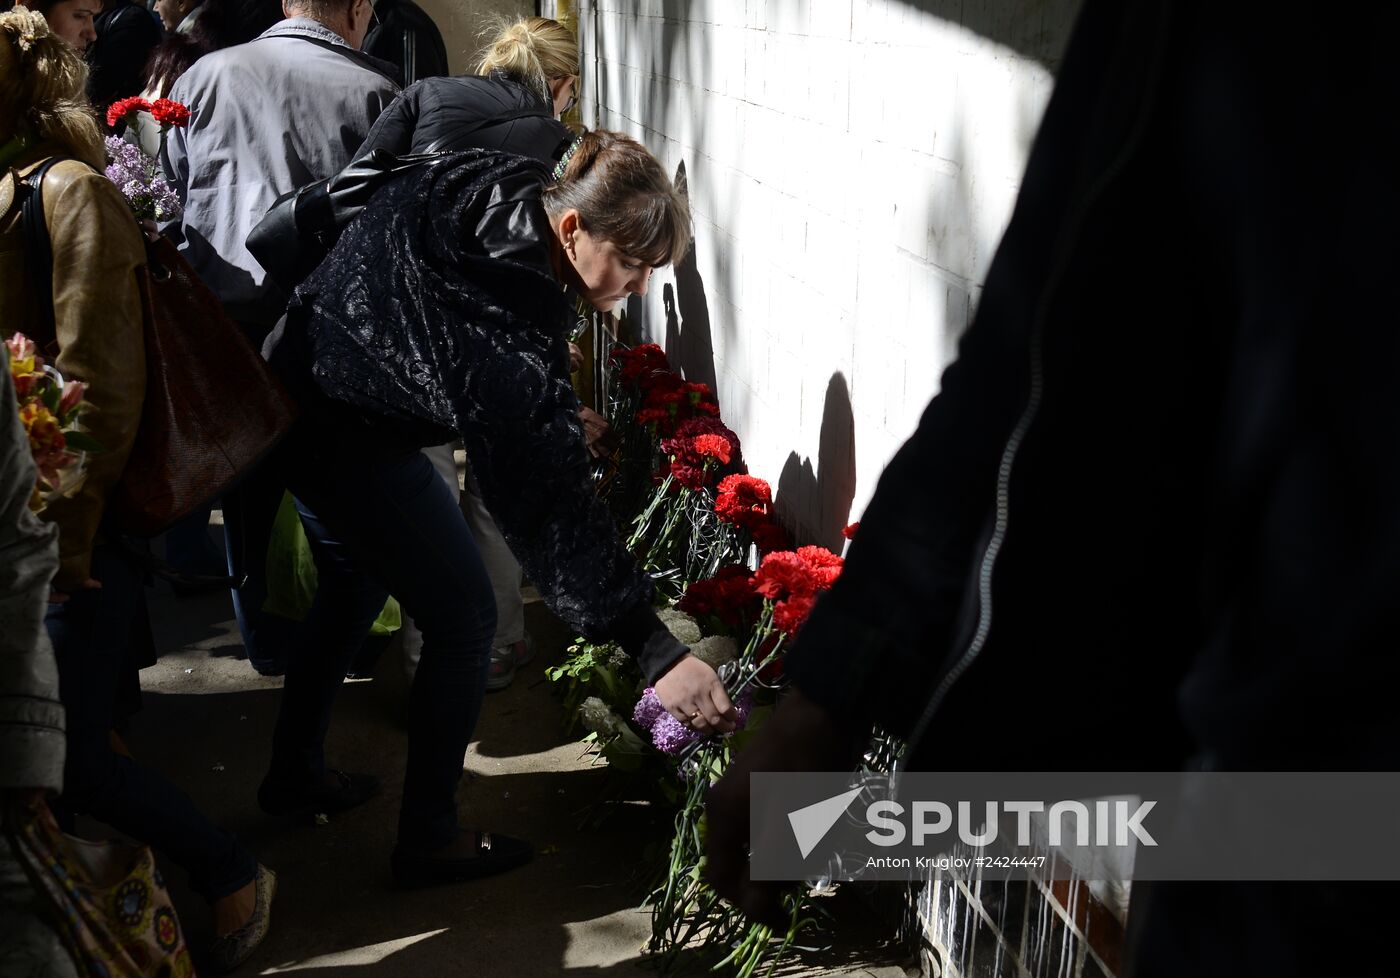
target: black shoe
347 791
494 854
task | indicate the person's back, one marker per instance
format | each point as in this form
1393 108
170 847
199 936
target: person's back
470 112
266 117
126 34
407 37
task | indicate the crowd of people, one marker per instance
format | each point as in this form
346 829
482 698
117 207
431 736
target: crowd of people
1215 566
475 263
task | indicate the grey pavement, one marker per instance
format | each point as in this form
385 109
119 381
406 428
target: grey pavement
575 910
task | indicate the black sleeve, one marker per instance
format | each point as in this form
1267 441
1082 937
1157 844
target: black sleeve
393 130
124 43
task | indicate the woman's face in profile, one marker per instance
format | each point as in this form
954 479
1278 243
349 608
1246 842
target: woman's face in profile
607 275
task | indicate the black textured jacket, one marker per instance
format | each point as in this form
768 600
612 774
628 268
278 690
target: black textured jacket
436 314
1154 511
439 114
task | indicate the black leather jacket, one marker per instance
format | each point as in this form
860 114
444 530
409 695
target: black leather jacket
439 114
438 314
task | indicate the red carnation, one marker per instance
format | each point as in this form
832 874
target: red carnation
783 574
826 566
728 598
850 532
118 109
700 447
638 362
714 446
169 113
789 615
743 500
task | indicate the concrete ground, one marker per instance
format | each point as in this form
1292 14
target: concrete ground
574 911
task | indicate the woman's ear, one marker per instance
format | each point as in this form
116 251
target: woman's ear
568 230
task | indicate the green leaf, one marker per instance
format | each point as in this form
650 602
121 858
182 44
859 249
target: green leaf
81 441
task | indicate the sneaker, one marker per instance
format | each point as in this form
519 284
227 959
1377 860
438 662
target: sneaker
502 670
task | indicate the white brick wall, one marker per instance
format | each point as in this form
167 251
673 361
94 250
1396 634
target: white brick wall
851 165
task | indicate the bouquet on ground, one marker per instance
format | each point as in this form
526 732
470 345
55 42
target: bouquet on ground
137 175
49 408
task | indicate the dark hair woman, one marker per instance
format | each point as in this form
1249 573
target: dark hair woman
99 600
444 310
525 79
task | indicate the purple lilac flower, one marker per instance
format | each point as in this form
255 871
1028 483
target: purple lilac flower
670 735
648 709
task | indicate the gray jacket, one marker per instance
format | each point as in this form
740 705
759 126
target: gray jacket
31 716
266 117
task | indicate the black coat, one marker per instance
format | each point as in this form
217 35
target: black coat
439 114
438 314
407 38
1154 511
127 33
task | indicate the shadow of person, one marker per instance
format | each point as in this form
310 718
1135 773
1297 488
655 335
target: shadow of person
689 343
816 503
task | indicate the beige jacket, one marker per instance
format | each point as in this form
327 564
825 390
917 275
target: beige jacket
97 249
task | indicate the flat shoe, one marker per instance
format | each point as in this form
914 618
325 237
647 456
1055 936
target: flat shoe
231 950
348 791
494 854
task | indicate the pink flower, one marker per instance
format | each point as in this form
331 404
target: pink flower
73 392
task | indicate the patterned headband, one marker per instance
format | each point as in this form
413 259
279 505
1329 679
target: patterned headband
564 160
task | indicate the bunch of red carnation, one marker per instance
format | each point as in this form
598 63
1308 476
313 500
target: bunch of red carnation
638 364
163 110
746 501
792 580
668 400
727 601
699 450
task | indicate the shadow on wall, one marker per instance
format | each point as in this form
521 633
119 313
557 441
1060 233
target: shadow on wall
689 344
816 506
1036 29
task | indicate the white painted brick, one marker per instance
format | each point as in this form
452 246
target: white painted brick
831 18
852 165
831 261
756 14
791 16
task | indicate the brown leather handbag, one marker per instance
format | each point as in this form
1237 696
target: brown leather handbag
213 407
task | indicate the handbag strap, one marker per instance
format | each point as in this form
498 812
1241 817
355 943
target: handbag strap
38 246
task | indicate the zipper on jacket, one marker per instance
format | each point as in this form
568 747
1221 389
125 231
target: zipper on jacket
1036 393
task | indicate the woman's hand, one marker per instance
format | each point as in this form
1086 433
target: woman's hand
575 358
692 693
598 435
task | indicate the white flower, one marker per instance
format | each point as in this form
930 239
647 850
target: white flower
715 651
599 719
681 625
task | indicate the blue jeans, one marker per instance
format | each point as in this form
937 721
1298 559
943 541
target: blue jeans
379 526
90 634
250 510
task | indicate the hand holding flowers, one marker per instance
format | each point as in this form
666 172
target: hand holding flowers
137 175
